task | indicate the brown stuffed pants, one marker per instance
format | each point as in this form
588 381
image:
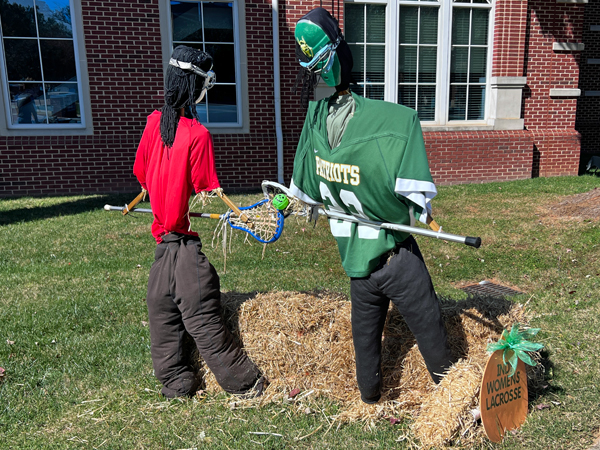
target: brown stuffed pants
184 295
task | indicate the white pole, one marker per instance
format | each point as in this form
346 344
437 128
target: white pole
277 91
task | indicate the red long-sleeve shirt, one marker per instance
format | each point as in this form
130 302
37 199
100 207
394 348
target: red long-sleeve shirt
171 174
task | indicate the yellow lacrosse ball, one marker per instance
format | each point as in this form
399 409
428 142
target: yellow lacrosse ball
280 201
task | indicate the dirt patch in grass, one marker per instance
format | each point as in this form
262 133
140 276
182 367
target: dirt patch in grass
578 206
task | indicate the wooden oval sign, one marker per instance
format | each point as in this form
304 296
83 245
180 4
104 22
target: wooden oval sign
502 399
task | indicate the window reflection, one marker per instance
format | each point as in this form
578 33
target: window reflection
40 62
208 26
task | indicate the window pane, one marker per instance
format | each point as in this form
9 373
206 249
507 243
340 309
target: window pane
468 63
187 21
222 104
354 22
479 32
459 65
407 96
427 64
374 92
407 65
366 40
58 60
376 23
478 65
17 18
476 103
359 89
45 61
223 60
458 103
426 105
375 64
26 102
218 22
62 103
22 59
429 26
460 26
54 19
417 59
409 24
201 109
358 62
208 26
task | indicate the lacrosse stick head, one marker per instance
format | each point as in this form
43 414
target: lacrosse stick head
271 190
267 221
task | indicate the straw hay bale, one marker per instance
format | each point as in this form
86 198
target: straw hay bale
304 341
447 409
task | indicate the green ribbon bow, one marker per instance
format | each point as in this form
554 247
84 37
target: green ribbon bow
515 345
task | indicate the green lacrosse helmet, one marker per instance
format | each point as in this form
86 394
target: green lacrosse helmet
318 47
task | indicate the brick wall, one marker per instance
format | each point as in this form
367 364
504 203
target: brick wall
123 46
479 156
551 120
588 106
509 38
122 42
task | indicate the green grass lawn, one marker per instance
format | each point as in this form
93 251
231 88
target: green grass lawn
75 344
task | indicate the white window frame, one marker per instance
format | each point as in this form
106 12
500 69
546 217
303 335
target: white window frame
40 129
241 63
392 44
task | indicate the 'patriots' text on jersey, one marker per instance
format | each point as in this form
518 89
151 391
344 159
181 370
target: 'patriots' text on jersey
340 173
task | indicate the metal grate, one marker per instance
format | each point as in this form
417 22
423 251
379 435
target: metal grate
487 288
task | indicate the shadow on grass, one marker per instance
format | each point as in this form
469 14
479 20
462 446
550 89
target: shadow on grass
539 378
66 208
470 323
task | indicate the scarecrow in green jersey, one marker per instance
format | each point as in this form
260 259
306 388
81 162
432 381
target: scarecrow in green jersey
367 158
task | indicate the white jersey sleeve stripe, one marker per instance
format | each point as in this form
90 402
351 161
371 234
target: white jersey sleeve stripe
296 192
419 192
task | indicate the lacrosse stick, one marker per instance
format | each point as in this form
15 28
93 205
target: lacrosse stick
262 221
234 208
270 188
139 198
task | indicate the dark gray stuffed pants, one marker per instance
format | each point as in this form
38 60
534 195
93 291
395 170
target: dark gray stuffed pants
405 281
184 295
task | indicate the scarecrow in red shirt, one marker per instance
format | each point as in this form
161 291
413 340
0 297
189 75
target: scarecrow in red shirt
175 157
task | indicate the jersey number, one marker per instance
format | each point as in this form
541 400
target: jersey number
341 228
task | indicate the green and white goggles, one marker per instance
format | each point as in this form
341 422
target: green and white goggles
210 78
322 62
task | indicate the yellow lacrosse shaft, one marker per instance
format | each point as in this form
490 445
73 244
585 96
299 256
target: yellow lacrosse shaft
243 217
139 198
433 224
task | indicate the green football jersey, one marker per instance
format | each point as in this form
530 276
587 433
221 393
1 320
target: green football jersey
378 172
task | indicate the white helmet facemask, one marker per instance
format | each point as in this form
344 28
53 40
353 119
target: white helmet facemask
209 76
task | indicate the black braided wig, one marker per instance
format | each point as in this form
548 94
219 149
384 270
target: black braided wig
182 88
306 79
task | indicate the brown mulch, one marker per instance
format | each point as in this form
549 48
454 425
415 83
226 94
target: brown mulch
303 344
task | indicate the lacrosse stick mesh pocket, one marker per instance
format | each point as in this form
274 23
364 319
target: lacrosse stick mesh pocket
265 222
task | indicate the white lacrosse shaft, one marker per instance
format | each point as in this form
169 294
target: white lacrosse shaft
467 240
438 234
149 211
